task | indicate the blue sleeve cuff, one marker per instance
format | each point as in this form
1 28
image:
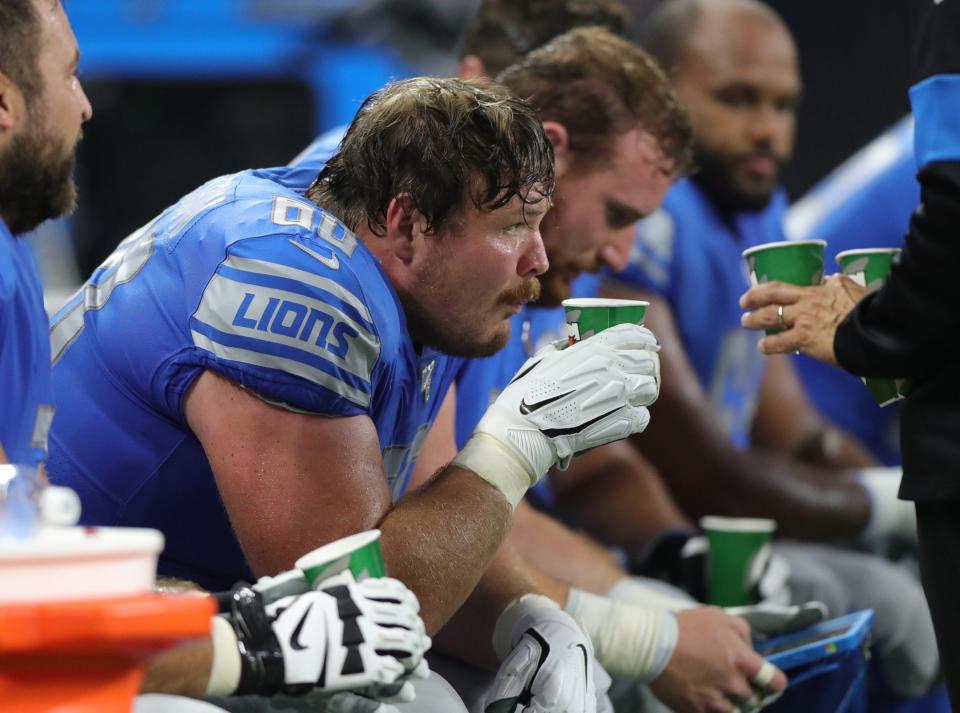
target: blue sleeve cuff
936 108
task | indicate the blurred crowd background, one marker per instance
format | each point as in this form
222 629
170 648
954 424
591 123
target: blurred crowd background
185 90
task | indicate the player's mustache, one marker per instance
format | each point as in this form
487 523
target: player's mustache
528 291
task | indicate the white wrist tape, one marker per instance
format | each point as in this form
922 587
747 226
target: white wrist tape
225 667
506 622
628 640
889 516
651 594
498 465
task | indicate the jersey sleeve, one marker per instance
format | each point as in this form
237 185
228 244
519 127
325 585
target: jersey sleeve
652 256
285 316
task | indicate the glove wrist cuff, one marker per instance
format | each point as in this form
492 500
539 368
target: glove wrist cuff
225 666
498 465
261 658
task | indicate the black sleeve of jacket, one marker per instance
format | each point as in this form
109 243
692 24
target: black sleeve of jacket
912 325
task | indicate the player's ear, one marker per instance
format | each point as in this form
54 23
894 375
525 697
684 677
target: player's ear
405 225
560 141
471 67
12 104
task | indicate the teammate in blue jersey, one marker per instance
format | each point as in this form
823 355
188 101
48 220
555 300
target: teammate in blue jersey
42 107
734 432
266 372
596 206
865 203
573 248
287 304
688 254
757 432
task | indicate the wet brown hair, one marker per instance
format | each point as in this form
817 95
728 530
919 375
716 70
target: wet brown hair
442 142
599 86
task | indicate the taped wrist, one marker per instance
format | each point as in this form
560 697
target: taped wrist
628 640
261 658
497 464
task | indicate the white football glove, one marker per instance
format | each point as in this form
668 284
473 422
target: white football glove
547 662
365 636
377 698
563 402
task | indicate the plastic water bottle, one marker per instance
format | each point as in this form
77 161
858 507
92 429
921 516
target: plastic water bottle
27 501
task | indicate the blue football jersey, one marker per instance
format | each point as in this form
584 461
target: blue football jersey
246 278
24 355
865 203
688 254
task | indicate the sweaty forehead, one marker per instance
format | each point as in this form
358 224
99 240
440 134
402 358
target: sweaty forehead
737 44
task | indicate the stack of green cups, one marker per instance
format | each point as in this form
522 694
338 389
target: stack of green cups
356 557
799 262
739 552
870 268
587 316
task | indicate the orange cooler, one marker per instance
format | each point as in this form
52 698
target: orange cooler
89 656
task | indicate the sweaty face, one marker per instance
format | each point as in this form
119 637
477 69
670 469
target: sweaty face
596 209
37 165
740 81
470 279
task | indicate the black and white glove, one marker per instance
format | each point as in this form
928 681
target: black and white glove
679 557
365 637
547 663
563 402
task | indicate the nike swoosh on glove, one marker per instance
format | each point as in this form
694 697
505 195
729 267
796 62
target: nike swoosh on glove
563 402
365 636
547 662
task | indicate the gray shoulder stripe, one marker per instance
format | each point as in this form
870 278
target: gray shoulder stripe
290 366
292 273
296 321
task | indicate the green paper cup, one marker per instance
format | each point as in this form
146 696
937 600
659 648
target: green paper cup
358 554
870 268
799 262
739 552
587 316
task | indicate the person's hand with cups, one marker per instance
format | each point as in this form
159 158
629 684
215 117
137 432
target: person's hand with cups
800 312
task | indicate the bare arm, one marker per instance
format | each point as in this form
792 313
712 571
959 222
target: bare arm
563 554
617 496
289 485
706 475
786 422
468 634
183 671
